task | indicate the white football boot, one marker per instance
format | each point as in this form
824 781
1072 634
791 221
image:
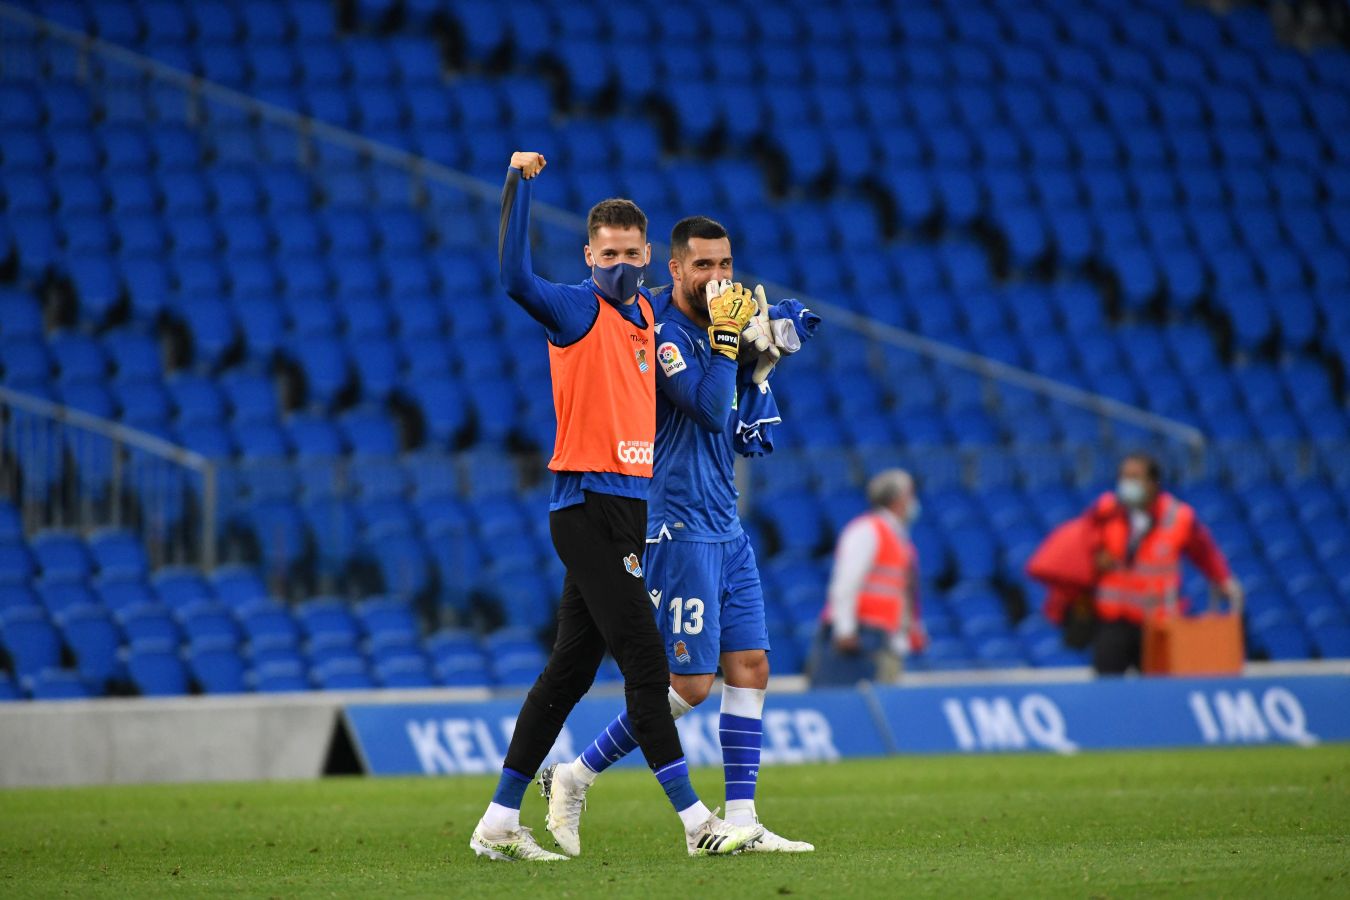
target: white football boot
566 798
776 843
510 846
716 837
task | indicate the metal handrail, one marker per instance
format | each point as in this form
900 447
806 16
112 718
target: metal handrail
140 440
430 170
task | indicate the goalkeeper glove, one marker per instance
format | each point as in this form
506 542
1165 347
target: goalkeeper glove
761 338
730 307
757 336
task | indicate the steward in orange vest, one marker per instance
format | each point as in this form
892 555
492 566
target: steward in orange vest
871 617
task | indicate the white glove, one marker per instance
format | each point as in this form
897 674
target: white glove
760 335
785 336
756 338
767 360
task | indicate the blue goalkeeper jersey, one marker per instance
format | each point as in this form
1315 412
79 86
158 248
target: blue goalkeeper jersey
693 492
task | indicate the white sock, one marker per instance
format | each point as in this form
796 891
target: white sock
500 818
694 817
580 772
678 705
748 703
741 812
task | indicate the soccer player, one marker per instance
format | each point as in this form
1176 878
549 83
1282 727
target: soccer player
700 567
601 336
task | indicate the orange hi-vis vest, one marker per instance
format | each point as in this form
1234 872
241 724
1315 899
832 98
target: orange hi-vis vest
1150 582
604 395
882 601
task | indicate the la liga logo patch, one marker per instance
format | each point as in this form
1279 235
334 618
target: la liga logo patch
670 358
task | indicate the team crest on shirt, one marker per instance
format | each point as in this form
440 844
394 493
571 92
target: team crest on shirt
642 360
681 652
633 565
671 359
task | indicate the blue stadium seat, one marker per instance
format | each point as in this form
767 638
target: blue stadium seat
346 673
58 684
268 624
207 620
327 616
386 616
61 556
17 565
94 638
409 671
216 666
178 586
281 676
30 638
252 397
156 669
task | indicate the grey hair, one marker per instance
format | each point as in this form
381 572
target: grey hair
889 485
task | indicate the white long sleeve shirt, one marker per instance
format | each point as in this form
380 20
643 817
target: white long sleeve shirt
853 558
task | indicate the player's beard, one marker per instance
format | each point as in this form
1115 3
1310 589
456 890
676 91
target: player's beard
696 299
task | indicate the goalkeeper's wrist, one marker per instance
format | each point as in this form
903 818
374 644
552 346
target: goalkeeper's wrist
725 341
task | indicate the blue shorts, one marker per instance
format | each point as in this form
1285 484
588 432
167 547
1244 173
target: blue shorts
708 601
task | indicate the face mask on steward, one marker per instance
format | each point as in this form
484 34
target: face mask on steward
1131 492
619 281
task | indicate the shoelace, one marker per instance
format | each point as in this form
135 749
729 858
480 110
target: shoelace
528 842
576 805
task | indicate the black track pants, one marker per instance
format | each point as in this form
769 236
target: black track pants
1117 647
604 606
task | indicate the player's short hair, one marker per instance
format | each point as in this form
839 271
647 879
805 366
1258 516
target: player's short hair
889 485
1151 465
615 212
693 227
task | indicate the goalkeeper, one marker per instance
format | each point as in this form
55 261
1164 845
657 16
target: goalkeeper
600 335
701 570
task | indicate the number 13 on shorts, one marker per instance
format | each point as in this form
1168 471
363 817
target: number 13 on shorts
686 616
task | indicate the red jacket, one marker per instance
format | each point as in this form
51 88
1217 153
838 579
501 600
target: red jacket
1067 561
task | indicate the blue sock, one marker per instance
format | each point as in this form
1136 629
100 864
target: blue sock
511 789
674 778
741 741
611 745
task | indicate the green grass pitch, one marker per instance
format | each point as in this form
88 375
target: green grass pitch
1268 822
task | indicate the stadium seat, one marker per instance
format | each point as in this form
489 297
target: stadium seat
58 684
216 666
281 676
176 587
156 669
118 553
31 640
343 675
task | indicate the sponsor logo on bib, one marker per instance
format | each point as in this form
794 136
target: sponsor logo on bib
635 452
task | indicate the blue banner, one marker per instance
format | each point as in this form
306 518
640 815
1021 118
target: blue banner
820 726
1118 714
471 738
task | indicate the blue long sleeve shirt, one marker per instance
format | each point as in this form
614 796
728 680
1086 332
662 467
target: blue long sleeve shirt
694 479
567 312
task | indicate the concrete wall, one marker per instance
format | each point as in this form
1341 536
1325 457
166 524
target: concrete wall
259 737
249 737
